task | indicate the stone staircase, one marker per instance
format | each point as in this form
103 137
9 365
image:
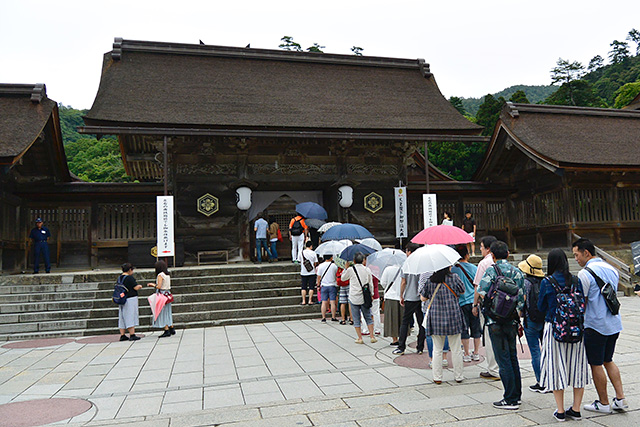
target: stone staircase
76 304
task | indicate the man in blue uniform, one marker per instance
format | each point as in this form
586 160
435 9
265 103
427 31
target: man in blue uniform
39 235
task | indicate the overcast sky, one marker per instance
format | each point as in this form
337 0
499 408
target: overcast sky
474 47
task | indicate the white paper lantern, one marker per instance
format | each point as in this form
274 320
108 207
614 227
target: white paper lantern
243 198
345 196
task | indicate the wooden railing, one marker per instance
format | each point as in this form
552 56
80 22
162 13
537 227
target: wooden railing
623 269
126 221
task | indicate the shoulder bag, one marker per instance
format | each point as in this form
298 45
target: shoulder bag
608 293
426 314
366 292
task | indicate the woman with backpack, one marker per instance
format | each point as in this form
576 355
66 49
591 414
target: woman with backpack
564 360
533 318
163 286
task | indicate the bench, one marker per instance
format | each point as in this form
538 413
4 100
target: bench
224 254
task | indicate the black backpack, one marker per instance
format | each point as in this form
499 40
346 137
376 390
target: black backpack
501 301
296 229
533 313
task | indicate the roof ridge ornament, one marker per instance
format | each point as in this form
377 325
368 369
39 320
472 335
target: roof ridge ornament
425 68
38 93
513 111
116 53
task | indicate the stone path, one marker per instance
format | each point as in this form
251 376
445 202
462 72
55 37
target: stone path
300 373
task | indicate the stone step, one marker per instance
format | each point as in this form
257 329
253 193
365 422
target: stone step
44 297
145 328
191 298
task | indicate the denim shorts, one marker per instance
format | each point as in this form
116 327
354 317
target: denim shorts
329 293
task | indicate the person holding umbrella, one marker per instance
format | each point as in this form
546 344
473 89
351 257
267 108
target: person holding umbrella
163 286
359 276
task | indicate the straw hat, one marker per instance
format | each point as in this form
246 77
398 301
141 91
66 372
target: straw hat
532 266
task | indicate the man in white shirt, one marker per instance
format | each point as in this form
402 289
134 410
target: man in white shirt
326 281
601 327
493 371
307 276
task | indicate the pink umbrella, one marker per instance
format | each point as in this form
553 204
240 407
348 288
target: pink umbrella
442 234
157 302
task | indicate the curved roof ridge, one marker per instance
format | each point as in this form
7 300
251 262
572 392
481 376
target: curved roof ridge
515 108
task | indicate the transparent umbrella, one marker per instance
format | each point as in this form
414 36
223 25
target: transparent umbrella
332 247
371 242
379 261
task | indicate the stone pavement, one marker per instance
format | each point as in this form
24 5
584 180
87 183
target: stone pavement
299 373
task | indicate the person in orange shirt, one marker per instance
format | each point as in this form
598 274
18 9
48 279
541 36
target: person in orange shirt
297 234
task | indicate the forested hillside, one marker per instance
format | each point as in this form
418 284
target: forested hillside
535 94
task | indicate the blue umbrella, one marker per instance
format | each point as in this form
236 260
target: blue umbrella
346 231
350 251
311 210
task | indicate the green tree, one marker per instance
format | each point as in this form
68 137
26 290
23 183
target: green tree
519 97
489 113
459 160
316 48
457 104
619 51
578 92
96 161
357 51
566 73
70 119
289 44
625 94
595 63
634 36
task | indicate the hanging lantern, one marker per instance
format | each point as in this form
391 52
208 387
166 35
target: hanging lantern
345 196
243 198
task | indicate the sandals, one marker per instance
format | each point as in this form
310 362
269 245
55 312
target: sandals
374 340
342 322
359 341
351 322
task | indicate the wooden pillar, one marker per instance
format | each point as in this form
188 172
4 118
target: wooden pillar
93 235
615 216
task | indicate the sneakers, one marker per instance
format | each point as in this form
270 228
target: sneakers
398 351
560 416
572 415
124 338
619 404
165 334
503 404
324 320
172 330
488 376
134 338
475 357
445 363
377 332
596 406
536 388
333 319
365 332
466 359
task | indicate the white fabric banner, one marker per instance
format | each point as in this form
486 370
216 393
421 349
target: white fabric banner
429 210
164 210
401 212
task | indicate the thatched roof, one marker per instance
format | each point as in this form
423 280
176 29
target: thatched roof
567 137
197 86
24 112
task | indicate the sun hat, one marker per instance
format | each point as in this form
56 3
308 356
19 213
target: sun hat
532 266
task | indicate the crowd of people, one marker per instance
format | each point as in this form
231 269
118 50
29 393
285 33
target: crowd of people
569 325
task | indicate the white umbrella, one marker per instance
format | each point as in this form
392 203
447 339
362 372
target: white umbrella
332 247
379 261
429 259
327 226
371 242
345 242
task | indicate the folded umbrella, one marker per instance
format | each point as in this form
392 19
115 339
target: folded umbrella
311 210
314 223
379 261
346 231
327 226
348 253
161 300
152 303
332 247
429 259
442 234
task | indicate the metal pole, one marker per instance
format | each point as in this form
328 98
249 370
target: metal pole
164 155
426 163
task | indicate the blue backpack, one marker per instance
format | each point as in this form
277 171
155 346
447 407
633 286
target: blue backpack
568 322
120 292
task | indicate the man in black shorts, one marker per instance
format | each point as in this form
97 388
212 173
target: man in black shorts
308 277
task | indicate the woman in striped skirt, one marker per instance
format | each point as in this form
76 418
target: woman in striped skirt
562 364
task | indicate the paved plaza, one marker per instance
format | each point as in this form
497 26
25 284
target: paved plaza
298 373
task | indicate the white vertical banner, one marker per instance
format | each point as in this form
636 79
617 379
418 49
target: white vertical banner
430 210
401 212
164 219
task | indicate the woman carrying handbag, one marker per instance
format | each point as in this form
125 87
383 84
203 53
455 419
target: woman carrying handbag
360 299
163 286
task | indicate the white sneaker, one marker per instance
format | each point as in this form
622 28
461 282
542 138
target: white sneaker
596 406
475 357
445 363
466 359
365 332
619 404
